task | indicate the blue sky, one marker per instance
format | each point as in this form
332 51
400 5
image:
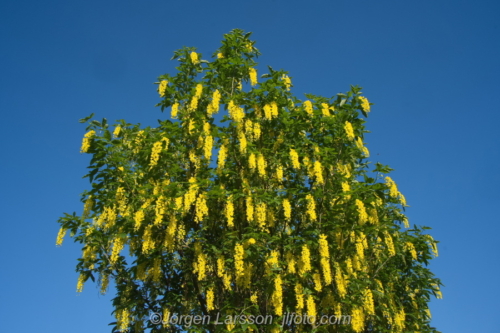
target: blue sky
431 69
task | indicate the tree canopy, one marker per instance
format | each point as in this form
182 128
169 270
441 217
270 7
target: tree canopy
249 203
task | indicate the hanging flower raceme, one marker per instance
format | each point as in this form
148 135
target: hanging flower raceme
253 76
162 87
86 141
194 58
365 105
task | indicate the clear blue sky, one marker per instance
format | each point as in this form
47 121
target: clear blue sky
431 67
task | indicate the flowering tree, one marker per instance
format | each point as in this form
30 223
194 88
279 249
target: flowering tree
268 210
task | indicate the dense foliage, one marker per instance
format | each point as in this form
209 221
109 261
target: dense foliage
268 209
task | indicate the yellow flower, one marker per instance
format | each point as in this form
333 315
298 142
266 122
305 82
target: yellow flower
299 296
175 110
295 159
86 141
287 209
277 296
318 172
254 298
362 215
155 153
118 244
311 308
117 131
249 209
305 261
268 112
198 90
287 81
239 253
365 105
252 164
208 147
317 282
253 76
201 208
210 299
60 236
79 285
213 107
309 107
389 243
220 55
261 165
162 87
235 112
194 58
349 130
221 159
311 207
261 214
325 110
393 189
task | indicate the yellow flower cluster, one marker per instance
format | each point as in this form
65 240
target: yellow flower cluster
261 165
287 209
287 81
235 112
213 107
175 110
411 248
311 308
160 209
250 211
308 107
254 298
311 207
360 145
346 188
305 261
238 260
207 148
220 55
325 259
294 158
272 262
243 142
362 215
271 111
148 243
349 130
317 282
344 170
433 244
60 236
252 163
279 173
399 320
290 261
194 58
365 105
325 110
200 266
318 172
261 215
210 299
299 296
230 211
221 159
368 304
118 244
340 281
155 153
253 76
358 320
117 131
123 319
79 284
277 296
162 87
86 141
201 208
393 189
389 243
104 283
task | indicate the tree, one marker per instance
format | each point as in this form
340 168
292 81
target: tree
288 224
